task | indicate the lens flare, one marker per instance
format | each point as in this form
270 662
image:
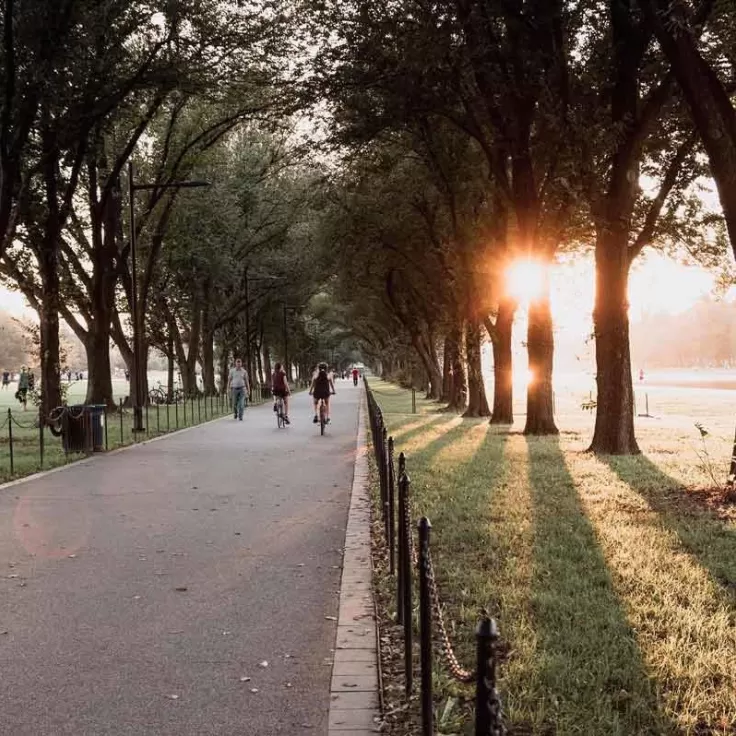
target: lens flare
525 280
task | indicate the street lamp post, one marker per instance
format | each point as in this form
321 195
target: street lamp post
138 397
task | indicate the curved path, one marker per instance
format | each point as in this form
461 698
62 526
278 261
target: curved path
139 590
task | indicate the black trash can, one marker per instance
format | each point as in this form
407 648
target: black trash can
96 426
75 434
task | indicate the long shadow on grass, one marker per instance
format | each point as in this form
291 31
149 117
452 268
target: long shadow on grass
710 540
590 668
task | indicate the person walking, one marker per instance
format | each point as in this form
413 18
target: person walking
24 383
237 382
6 379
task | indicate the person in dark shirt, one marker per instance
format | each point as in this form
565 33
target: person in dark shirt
321 389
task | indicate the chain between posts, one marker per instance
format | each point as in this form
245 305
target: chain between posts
488 711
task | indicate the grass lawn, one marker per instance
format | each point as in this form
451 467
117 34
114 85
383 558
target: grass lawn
613 580
26 439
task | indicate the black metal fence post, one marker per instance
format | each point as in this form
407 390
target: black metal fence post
384 473
391 483
105 418
158 418
488 716
10 441
41 438
120 412
413 401
199 409
425 628
148 424
184 403
406 582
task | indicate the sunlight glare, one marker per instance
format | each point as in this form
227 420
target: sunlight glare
525 280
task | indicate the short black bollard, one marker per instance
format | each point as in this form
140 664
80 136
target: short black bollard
488 716
413 401
10 441
425 628
391 482
41 438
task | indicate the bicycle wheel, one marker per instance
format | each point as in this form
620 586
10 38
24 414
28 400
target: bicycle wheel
322 418
280 414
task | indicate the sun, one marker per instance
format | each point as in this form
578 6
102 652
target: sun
525 280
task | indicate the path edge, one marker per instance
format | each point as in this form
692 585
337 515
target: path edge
355 682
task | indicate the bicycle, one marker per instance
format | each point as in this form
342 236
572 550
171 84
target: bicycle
280 412
322 416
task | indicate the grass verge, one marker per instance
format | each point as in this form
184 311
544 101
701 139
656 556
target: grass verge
613 586
26 442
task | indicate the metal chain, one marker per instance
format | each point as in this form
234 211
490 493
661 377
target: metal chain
456 669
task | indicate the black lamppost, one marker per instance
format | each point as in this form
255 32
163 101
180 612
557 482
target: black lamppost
138 399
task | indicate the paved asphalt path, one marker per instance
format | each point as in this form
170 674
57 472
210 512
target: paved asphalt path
138 589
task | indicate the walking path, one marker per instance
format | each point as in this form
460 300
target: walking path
184 587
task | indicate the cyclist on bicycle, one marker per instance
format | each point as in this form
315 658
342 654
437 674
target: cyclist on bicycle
321 389
280 388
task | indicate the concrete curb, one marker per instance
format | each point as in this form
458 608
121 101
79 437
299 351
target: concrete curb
354 692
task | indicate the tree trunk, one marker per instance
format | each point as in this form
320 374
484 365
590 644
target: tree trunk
208 362
267 369
614 417
503 373
477 401
49 330
458 394
170 368
540 410
447 369
99 371
224 365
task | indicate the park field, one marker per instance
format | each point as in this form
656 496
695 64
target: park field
31 452
613 580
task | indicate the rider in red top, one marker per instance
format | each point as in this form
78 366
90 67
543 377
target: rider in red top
355 376
280 387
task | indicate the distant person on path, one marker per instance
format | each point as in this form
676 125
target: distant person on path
355 376
238 383
24 381
6 379
641 374
322 388
280 388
